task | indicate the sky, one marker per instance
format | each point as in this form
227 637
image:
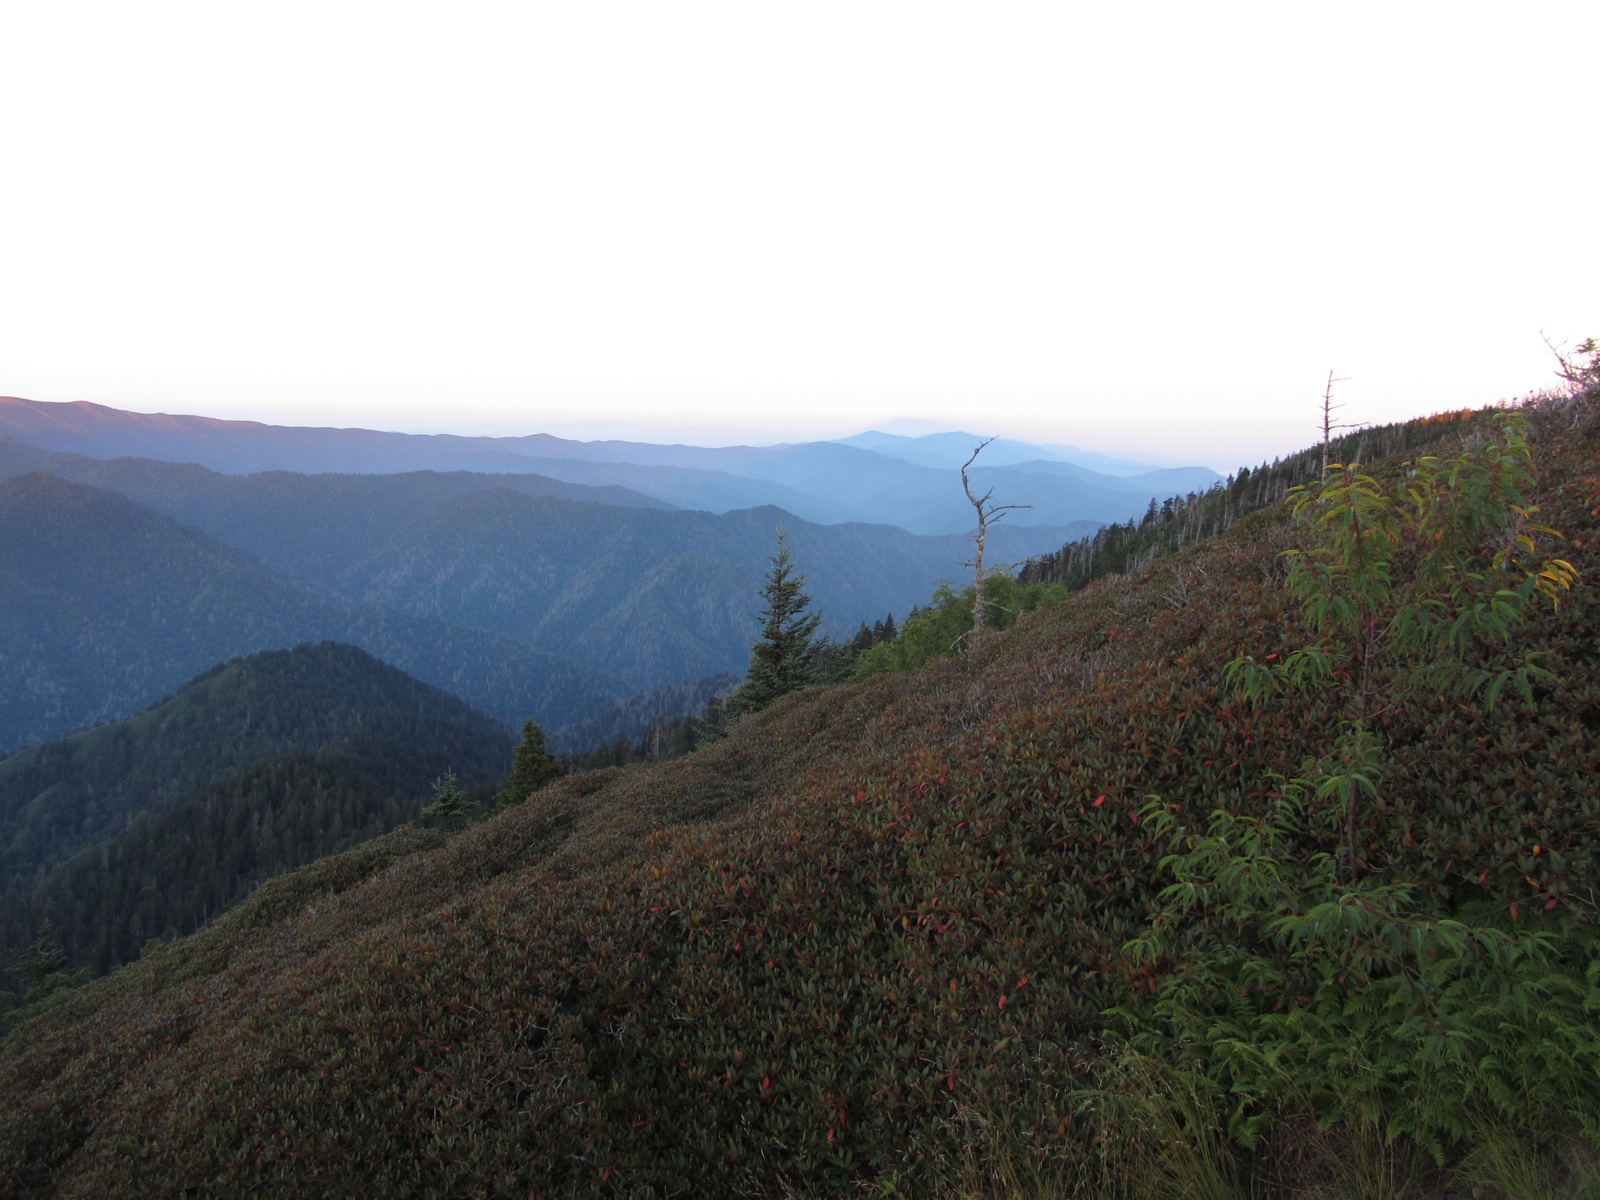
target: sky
1143 229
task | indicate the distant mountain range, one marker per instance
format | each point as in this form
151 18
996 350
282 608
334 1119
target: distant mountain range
521 605
532 576
874 477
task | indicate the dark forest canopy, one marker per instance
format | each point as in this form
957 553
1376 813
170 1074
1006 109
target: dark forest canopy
149 827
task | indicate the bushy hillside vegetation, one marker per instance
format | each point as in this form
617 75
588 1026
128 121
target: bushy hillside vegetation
151 826
886 929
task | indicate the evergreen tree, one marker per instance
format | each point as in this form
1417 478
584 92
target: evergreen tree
781 661
42 960
449 806
532 768
43 967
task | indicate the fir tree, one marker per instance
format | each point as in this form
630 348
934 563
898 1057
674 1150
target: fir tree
781 661
43 960
449 806
43 967
532 768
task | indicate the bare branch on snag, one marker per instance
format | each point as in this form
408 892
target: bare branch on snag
1328 423
1579 375
987 512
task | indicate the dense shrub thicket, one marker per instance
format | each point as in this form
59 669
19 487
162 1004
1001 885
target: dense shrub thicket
944 626
827 951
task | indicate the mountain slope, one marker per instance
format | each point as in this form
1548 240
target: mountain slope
305 523
645 598
134 789
172 873
104 606
873 923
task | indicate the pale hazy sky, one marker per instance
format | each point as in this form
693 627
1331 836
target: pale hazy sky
1126 226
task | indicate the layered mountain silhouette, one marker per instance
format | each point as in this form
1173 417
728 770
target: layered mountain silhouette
532 577
875 477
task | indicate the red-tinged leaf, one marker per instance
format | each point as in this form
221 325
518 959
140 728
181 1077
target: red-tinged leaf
1483 876
766 1082
950 1082
1513 912
1101 799
1002 1003
1550 903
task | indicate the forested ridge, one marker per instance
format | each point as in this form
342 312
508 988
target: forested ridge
106 606
149 827
971 928
1169 525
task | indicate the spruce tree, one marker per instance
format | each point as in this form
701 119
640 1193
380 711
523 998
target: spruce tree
532 768
43 960
781 661
449 806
